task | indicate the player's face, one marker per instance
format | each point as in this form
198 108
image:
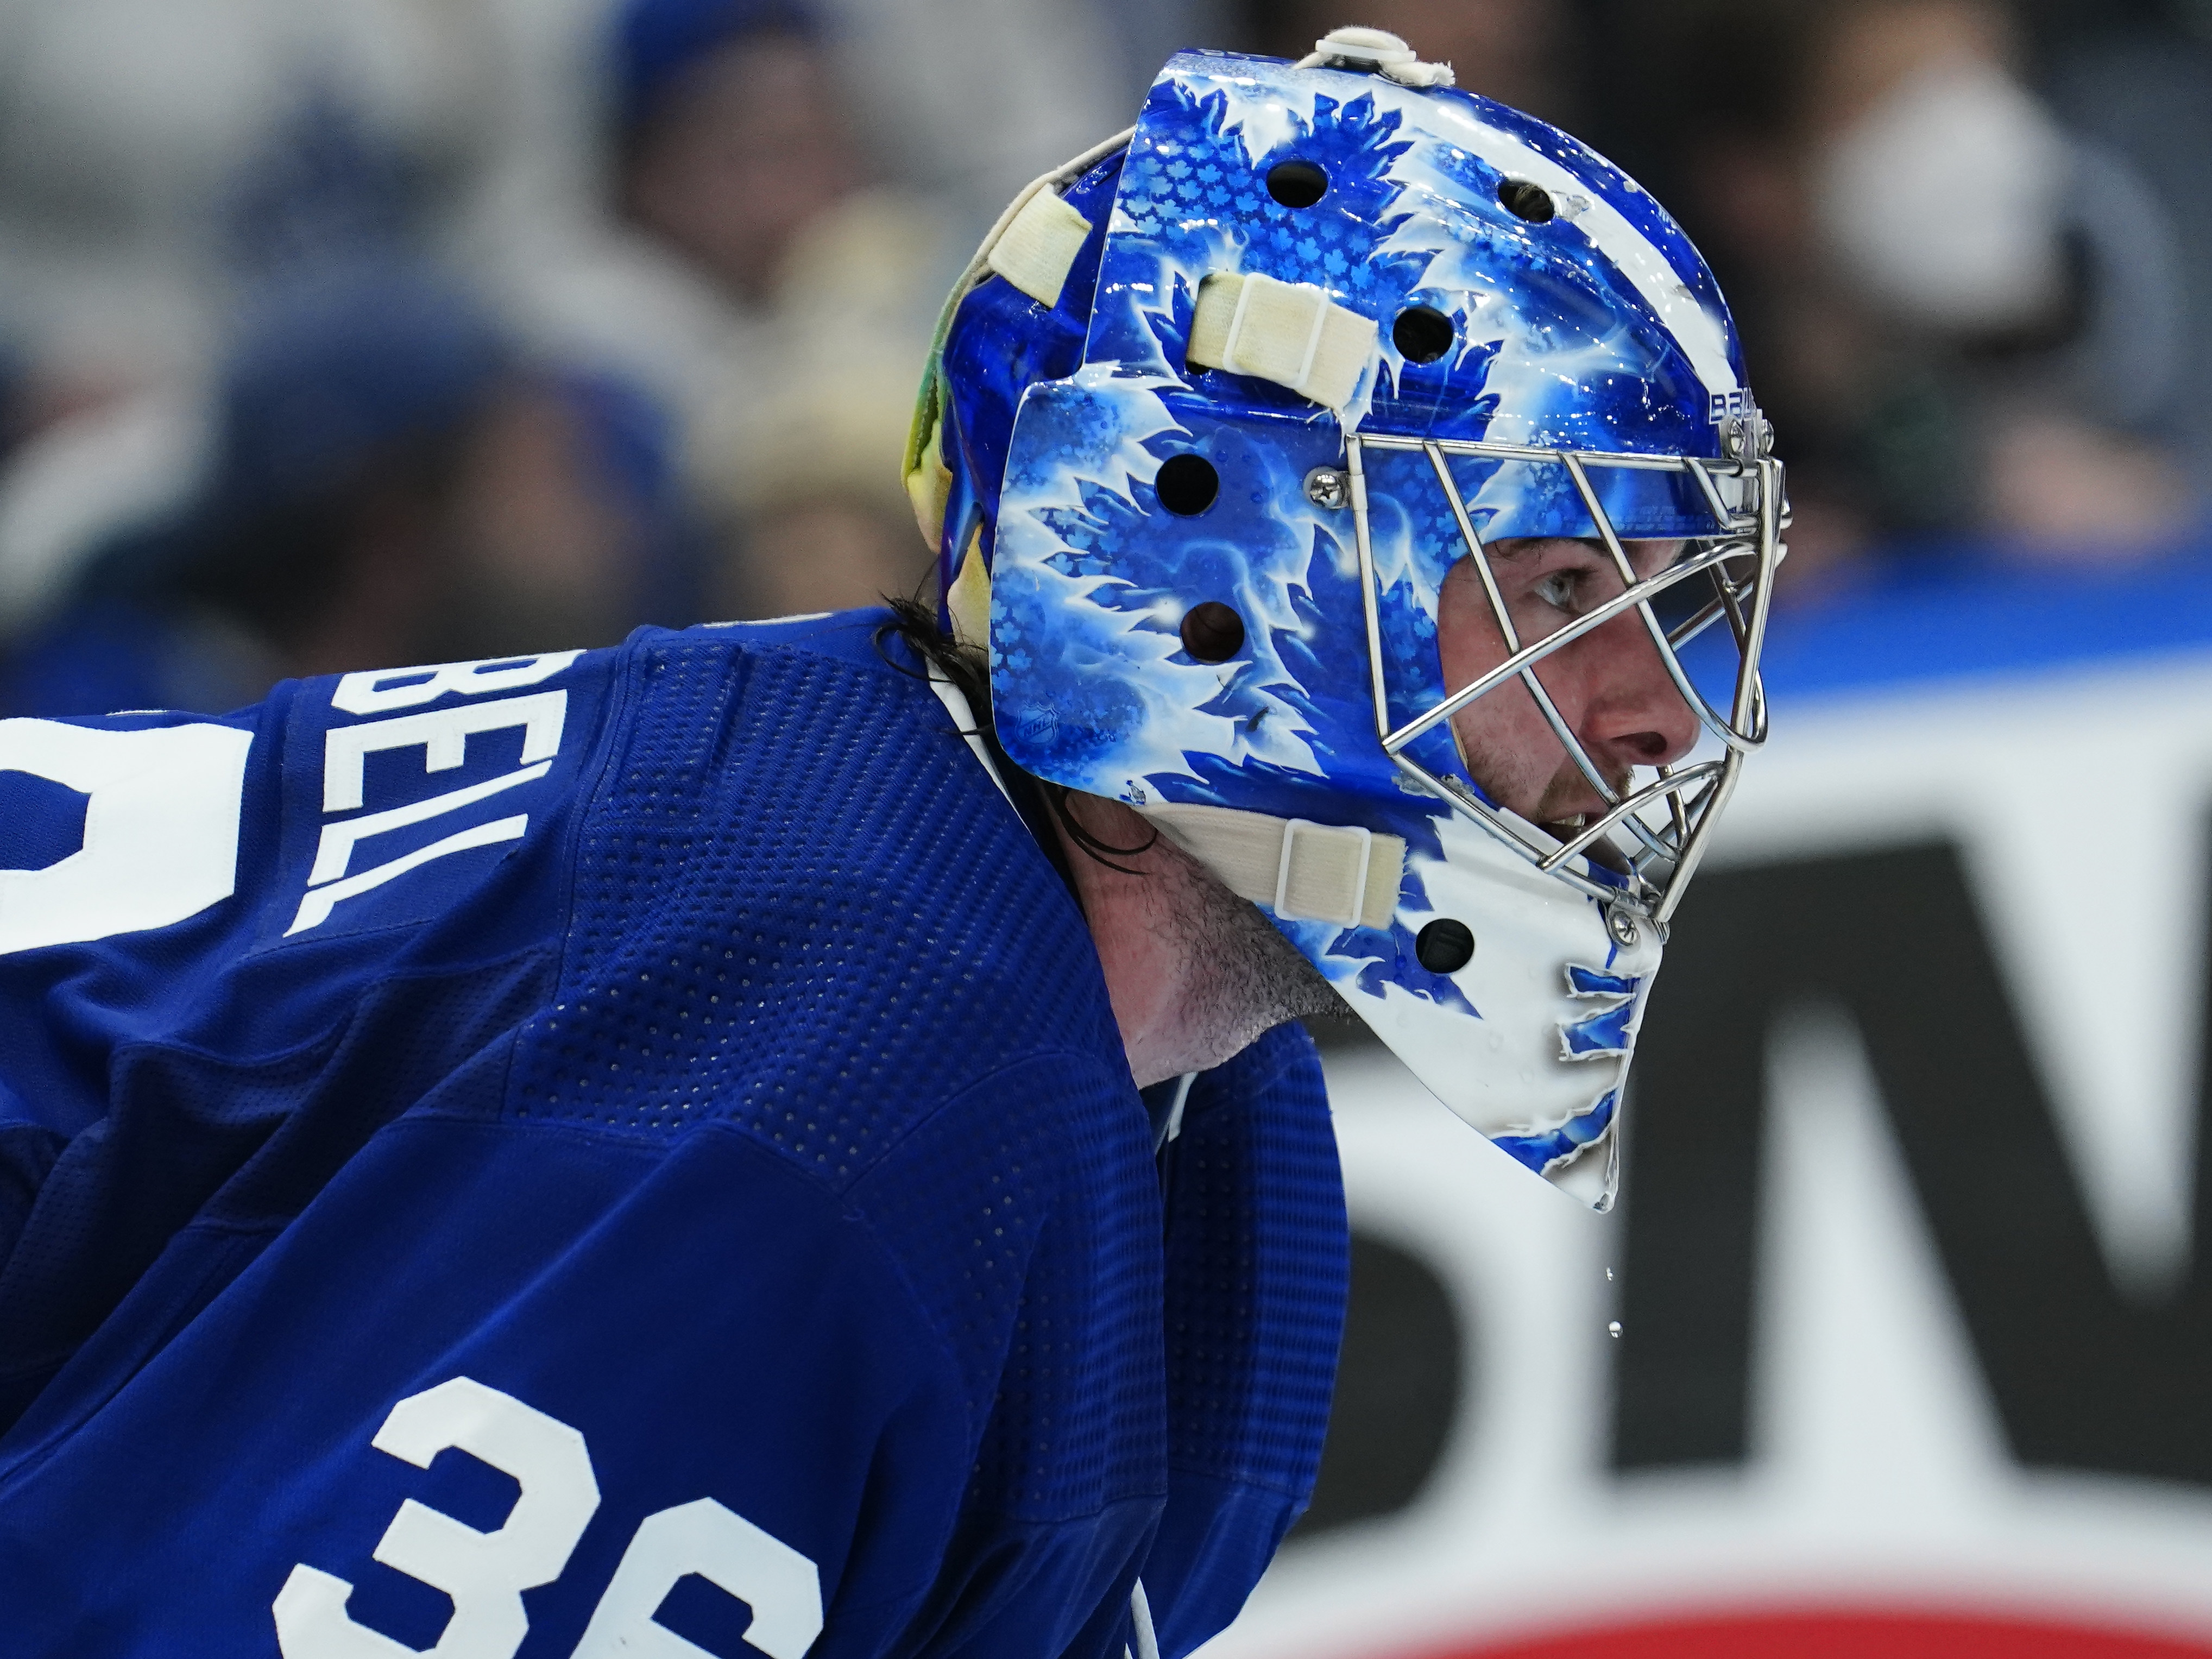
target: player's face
1608 685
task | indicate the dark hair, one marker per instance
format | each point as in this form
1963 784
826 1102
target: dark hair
916 625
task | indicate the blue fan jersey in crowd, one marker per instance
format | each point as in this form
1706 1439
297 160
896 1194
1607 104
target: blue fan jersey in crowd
601 1153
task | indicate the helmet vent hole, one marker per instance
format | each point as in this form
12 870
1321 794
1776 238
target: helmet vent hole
1524 200
1422 334
1213 632
1187 485
1299 184
1445 946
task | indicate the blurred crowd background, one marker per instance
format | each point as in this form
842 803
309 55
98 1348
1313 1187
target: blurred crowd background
334 335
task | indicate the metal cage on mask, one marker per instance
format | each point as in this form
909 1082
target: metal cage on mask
1669 820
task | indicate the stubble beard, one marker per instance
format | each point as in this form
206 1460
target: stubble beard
1260 980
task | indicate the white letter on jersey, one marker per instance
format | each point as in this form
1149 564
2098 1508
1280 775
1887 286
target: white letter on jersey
368 694
484 1572
335 852
782 1586
444 733
161 831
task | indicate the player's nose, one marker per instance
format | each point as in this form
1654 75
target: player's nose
1639 717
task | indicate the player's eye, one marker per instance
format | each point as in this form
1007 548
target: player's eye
1560 589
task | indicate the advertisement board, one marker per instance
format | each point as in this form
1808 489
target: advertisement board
1900 1341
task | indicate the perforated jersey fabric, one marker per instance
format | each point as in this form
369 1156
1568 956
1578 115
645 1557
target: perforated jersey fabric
752 1111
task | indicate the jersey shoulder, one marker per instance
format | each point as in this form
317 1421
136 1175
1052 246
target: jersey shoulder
798 899
746 862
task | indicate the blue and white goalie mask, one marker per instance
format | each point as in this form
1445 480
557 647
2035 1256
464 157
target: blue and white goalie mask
1357 478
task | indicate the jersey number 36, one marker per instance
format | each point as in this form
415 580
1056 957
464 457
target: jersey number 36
486 1572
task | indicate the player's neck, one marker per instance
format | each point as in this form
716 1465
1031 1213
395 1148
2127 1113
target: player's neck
1194 972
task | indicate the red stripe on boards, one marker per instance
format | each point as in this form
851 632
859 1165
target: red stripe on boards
1842 1636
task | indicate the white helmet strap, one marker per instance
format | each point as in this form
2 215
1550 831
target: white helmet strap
1378 51
1300 870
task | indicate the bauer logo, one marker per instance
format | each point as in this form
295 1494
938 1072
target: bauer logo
1725 405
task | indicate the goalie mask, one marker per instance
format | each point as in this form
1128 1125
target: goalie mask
1212 422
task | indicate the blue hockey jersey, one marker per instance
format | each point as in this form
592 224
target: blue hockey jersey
607 1152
